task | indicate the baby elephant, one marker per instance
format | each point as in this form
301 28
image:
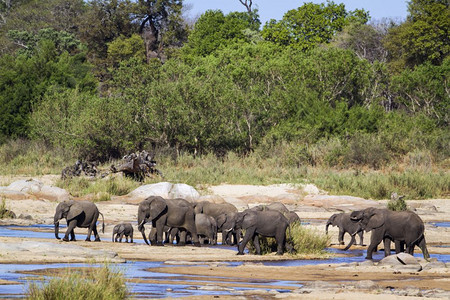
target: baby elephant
342 220
122 229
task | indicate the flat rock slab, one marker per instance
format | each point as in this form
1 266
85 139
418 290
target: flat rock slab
341 203
33 189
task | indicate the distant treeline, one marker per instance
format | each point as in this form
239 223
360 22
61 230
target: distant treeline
322 86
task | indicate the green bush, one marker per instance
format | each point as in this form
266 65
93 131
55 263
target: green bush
95 283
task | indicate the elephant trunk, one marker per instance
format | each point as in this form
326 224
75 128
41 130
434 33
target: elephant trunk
141 228
352 241
114 233
56 222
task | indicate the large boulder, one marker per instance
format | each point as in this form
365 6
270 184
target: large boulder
31 188
166 190
341 203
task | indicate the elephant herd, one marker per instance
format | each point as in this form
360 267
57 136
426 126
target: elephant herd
183 221
404 228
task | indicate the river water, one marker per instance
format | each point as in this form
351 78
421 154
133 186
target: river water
176 285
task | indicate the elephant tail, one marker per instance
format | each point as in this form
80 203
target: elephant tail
103 223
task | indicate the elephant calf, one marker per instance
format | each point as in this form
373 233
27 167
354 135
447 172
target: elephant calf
120 230
345 225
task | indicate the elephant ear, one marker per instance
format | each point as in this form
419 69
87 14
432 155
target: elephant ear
377 220
157 207
221 219
74 211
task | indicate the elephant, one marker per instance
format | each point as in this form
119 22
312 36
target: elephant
226 225
206 230
402 227
215 210
345 225
122 229
83 214
173 213
269 223
278 206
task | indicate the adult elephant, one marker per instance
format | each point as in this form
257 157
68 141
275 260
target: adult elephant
173 213
215 210
402 227
278 206
345 225
121 230
269 223
83 214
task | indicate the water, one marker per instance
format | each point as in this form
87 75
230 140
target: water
176 285
441 224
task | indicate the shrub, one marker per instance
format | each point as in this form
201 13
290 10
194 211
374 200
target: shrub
93 283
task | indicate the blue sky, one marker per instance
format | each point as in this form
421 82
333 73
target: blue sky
275 9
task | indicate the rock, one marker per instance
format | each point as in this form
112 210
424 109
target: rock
29 186
401 262
311 189
435 265
181 190
366 263
166 190
53 193
211 198
14 195
158 189
25 217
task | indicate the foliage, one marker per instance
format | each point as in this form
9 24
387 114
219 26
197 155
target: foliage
423 37
398 204
122 49
304 241
102 282
311 24
25 79
214 30
98 190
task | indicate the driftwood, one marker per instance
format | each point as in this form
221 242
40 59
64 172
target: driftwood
78 169
137 165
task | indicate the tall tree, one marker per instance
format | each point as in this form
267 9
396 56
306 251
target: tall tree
161 25
311 24
424 36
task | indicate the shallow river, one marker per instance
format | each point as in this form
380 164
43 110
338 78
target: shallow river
177 285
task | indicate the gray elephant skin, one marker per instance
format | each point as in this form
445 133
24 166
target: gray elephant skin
268 223
278 206
83 214
206 230
121 230
345 225
226 225
173 213
215 210
402 227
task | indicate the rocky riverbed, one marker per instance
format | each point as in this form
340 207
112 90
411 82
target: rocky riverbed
248 276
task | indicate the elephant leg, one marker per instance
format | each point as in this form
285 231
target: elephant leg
97 237
70 230
423 246
249 233
237 236
256 244
341 237
281 239
183 237
361 237
376 238
399 246
152 236
387 246
120 237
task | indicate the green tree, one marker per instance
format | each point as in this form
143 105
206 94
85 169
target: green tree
25 79
123 48
311 24
214 30
424 36
32 16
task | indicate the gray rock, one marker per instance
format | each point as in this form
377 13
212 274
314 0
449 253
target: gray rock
53 193
366 263
400 259
29 186
25 217
435 265
181 190
13 195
